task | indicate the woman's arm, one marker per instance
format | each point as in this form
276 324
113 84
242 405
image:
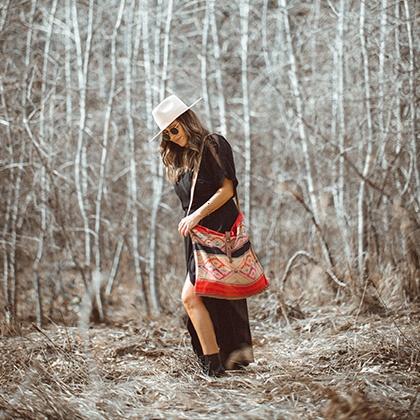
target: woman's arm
220 197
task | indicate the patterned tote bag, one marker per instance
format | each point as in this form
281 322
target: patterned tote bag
226 265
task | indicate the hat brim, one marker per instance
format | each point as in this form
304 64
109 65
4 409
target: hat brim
157 134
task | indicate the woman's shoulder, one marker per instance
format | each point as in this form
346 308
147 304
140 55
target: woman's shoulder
218 142
218 153
220 160
217 137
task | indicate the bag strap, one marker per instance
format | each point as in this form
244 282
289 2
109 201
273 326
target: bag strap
195 175
194 181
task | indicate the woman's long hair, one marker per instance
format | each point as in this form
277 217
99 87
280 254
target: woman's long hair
178 159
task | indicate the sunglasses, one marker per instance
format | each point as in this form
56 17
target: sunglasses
166 136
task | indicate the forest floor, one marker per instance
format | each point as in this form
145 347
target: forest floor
328 364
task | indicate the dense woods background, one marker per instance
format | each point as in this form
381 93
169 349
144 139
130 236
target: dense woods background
318 100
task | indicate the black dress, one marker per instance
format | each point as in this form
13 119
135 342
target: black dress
229 317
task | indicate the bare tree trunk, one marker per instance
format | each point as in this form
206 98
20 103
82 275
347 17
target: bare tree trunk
8 281
203 61
44 180
115 265
4 10
294 81
383 126
149 80
158 167
159 179
104 155
152 152
314 44
166 50
67 69
361 229
338 93
80 164
132 180
244 16
381 84
340 101
219 76
39 313
397 84
264 40
80 160
157 51
148 77
137 37
13 280
412 98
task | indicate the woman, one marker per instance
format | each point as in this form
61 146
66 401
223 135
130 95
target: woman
219 328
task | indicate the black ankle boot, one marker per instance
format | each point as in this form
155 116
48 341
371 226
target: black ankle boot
212 364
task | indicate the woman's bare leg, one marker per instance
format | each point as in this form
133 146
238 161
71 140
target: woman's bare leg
200 318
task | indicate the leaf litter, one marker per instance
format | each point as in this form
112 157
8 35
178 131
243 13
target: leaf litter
325 364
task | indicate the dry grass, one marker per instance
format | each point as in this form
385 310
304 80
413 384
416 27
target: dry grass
329 364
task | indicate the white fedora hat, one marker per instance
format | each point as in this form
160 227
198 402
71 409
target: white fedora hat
168 111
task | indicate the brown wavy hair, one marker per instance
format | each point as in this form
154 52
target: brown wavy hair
178 159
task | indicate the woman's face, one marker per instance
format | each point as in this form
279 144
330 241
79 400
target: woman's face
179 138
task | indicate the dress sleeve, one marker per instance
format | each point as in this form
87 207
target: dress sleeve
221 161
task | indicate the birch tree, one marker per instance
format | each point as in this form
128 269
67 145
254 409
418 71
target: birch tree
382 123
80 157
294 82
44 185
149 93
412 95
397 84
339 129
244 16
67 65
105 138
203 60
10 280
157 164
218 70
361 212
131 153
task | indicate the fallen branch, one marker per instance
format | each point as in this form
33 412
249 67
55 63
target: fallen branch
314 260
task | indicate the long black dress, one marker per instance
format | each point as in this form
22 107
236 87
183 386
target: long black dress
229 317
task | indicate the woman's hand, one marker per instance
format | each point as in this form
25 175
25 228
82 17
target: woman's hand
223 194
187 223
